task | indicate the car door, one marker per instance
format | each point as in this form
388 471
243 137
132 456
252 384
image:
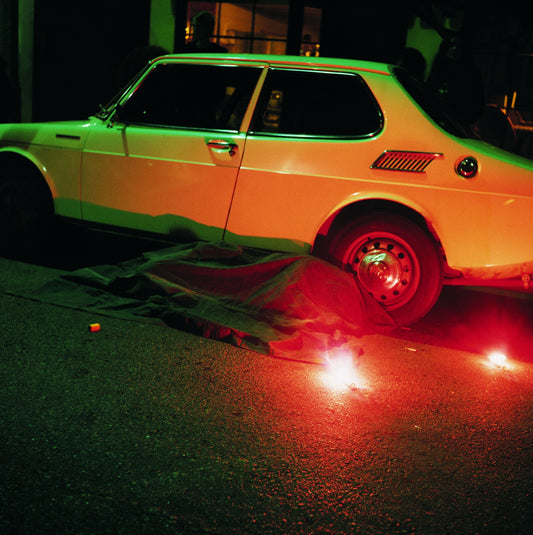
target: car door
168 160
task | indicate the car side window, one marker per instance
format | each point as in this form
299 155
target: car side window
212 97
316 103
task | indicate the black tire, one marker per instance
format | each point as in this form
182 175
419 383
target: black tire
26 210
395 260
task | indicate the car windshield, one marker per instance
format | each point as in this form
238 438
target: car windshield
434 105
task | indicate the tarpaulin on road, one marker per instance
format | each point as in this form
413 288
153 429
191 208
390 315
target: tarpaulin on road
293 306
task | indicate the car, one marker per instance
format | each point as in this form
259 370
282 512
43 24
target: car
353 161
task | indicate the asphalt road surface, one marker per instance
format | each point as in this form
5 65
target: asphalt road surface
140 428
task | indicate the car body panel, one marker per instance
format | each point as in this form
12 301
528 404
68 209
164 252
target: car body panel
277 191
291 185
159 180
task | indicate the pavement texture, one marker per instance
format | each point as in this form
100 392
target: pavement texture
140 428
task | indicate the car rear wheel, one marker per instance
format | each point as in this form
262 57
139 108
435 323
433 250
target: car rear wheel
394 260
26 211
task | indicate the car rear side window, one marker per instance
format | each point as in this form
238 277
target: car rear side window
211 97
316 103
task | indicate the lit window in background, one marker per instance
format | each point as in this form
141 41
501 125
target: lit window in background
257 27
311 32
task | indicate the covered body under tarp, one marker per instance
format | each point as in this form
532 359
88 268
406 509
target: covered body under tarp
284 305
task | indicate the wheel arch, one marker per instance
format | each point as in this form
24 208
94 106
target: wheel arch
14 160
335 222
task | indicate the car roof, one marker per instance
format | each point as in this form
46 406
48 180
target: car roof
287 61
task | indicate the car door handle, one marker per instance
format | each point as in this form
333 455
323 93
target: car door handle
221 145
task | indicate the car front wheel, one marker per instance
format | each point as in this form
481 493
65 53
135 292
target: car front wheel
394 260
25 213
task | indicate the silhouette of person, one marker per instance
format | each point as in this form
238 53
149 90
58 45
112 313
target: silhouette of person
457 79
203 26
414 62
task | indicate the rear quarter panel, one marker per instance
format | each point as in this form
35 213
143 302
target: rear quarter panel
287 187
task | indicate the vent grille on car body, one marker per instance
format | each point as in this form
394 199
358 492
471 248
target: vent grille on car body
396 160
